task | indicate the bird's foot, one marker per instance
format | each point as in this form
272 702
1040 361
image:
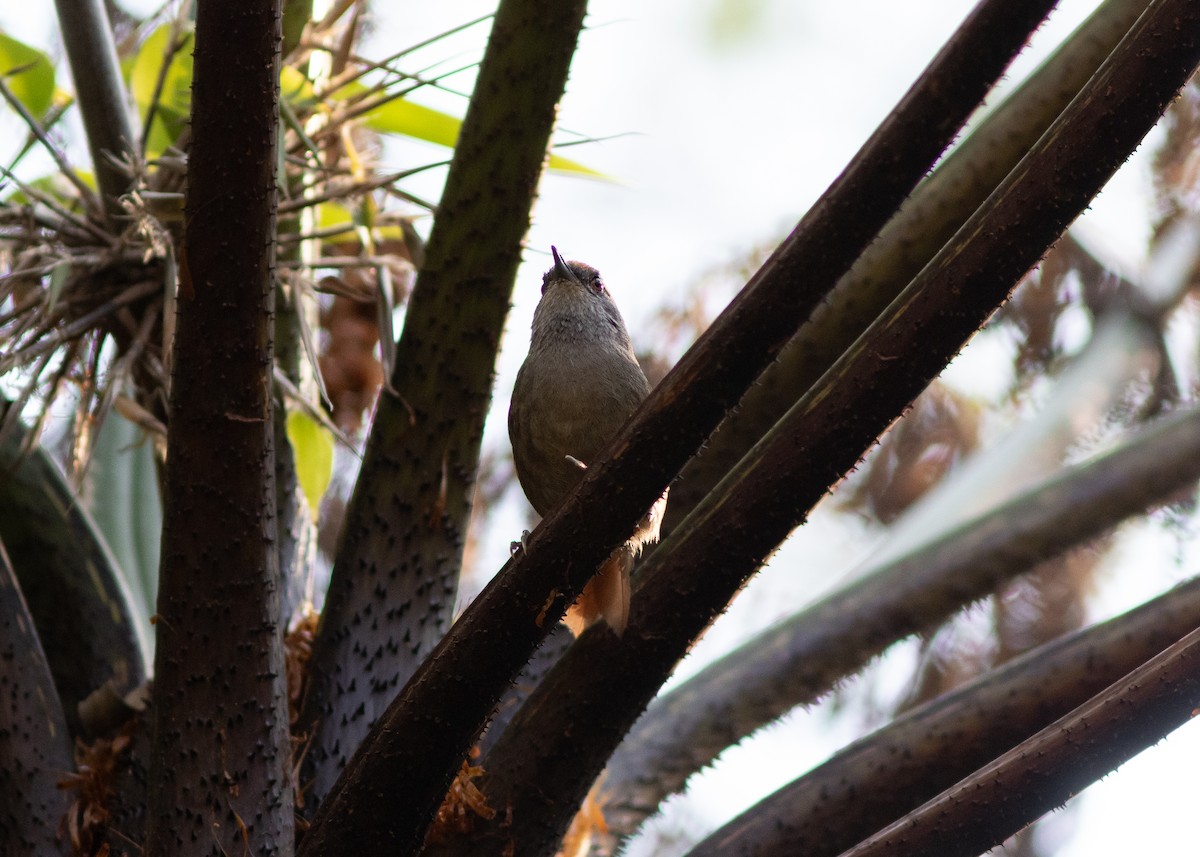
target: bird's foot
520 545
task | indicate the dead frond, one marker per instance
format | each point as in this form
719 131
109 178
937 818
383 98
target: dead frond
464 803
94 783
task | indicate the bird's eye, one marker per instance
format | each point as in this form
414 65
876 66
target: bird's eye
597 284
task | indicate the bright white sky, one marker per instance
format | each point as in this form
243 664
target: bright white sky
739 113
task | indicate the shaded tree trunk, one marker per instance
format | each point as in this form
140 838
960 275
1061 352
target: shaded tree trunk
219 780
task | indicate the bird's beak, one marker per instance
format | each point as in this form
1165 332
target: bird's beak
561 267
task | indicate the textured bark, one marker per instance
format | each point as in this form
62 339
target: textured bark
884 775
127 820
540 768
395 577
1042 773
926 221
219 783
35 746
442 709
83 612
539 666
804 657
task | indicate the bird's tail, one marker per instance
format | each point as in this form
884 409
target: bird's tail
606 595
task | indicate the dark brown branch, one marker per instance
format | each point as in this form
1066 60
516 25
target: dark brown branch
442 709
543 660
956 560
881 777
219 783
926 221
1044 772
540 767
395 577
802 658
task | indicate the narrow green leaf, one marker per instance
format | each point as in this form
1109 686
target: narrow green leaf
433 126
175 97
312 447
55 185
399 116
159 137
560 164
333 214
296 15
296 89
28 73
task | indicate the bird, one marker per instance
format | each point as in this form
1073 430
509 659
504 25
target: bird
579 383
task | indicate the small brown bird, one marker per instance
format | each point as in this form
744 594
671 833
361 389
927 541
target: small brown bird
579 384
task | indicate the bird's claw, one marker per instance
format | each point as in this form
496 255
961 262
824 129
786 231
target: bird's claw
521 545
573 460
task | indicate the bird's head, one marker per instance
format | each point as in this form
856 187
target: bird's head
575 302
573 275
